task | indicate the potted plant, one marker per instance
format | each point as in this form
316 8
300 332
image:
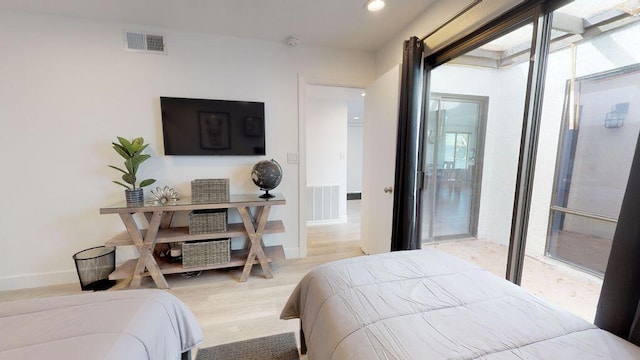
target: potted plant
131 151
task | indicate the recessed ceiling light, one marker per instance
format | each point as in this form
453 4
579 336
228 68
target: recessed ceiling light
363 93
356 118
375 5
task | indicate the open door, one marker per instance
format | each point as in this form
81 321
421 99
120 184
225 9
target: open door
379 161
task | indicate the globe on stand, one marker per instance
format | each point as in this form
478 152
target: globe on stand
266 174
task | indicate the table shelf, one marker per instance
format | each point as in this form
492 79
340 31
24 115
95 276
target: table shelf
181 234
238 259
159 216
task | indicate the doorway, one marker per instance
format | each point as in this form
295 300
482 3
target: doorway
334 118
454 143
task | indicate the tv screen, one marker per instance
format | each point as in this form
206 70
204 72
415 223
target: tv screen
212 127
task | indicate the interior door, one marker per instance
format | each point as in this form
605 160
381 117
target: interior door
379 161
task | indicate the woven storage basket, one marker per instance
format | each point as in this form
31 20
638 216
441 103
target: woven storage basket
205 253
207 221
210 190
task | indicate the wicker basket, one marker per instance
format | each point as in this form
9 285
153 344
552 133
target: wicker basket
210 190
207 221
206 253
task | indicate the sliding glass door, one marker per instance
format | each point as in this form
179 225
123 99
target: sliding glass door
453 162
472 136
542 186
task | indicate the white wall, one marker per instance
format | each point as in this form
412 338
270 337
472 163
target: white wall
327 147
355 135
68 89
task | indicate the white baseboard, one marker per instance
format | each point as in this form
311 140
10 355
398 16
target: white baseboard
341 220
26 281
292 253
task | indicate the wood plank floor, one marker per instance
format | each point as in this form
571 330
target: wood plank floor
230 311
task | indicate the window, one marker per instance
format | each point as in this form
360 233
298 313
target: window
456 150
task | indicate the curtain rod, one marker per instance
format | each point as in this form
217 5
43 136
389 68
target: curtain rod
457 15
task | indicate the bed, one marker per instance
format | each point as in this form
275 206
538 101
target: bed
426 304
128 324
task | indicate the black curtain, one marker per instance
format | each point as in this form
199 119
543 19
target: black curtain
619 305
404 234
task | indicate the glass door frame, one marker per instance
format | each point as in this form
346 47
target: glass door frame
481 127
562 172
538 13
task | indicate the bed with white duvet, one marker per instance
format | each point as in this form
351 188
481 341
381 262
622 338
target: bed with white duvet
426 304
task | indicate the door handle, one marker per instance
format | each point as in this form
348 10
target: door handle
388 189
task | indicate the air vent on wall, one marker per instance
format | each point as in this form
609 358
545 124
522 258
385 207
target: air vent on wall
139 42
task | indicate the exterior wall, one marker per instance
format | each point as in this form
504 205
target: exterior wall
607 52
505 89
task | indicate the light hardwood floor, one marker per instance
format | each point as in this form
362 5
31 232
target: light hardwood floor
228 310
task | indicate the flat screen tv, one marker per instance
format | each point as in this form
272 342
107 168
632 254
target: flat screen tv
212 127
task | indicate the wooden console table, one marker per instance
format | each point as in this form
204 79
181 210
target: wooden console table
159 230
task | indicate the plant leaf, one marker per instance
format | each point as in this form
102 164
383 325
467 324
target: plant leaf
129 164
117 168
137 160
121 150
147 182
127 145
121 184
136 145
142 148
129 179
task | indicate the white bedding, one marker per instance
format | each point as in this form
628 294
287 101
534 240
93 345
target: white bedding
426 304
127 324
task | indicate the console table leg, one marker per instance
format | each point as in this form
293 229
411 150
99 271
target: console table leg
154 270
255 230
248 265
145 248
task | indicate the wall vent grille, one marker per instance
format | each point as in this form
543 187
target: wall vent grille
139 42
323 203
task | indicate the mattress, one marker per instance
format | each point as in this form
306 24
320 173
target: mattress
426 304
127 324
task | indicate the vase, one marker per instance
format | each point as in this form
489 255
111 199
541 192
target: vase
134 197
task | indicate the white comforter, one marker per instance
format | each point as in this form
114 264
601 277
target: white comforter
128 324
426 304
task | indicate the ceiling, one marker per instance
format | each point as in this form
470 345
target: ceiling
577 21
342 24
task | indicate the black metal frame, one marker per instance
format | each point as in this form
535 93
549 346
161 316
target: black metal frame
404 233
538 13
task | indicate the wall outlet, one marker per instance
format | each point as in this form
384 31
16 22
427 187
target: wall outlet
292 158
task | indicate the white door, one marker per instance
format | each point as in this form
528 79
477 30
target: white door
379 161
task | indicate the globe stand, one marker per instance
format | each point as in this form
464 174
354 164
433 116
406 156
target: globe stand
266 195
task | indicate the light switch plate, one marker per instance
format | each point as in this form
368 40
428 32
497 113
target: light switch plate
292 158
